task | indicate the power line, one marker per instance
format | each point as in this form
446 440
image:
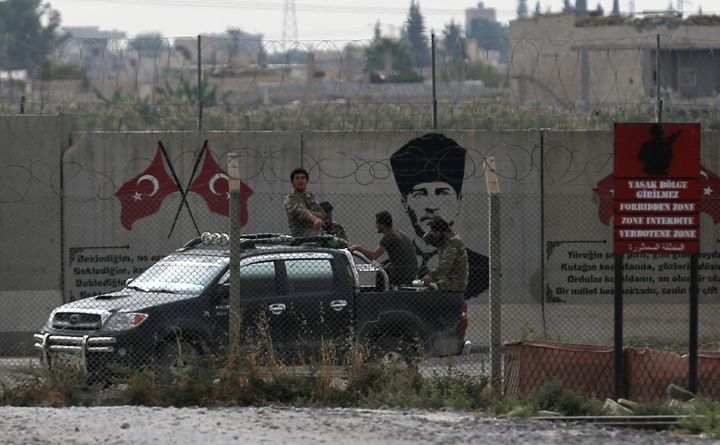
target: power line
311 7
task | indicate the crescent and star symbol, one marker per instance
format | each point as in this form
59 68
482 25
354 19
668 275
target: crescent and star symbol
216 177
707 191
137 196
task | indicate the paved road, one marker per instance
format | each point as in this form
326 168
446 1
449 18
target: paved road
278 425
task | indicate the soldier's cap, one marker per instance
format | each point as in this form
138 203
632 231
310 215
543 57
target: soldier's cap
438 224
429 158
326 206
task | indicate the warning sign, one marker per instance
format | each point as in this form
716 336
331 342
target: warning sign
657 190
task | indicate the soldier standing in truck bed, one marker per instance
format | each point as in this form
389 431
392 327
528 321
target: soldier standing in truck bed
304 214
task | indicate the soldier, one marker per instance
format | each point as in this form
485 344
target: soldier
305 216
331 227
401 265
429 173
451 273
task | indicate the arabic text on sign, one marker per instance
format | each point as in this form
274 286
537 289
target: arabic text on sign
666 247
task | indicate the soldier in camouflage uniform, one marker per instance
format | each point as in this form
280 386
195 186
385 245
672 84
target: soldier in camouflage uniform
331 227
305 216
451 273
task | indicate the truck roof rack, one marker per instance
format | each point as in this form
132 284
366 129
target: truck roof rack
253 240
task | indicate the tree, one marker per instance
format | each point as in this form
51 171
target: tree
616 8
522 9
567 6
149 44
599 9
25 42
581 5
388 55
453 42
415 33
490 35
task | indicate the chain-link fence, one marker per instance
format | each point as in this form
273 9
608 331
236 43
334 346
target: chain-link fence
116 204
301 303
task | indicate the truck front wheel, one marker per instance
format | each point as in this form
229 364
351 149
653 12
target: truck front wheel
178 357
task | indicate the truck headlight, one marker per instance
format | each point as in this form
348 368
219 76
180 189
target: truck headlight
124 320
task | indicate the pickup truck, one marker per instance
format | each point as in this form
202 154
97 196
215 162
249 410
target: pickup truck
295 295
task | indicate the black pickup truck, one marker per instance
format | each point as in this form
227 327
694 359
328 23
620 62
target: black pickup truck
294 294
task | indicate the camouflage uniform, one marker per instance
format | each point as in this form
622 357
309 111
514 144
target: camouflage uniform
452 270
298 206
337 231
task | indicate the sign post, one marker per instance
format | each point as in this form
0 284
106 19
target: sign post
656 199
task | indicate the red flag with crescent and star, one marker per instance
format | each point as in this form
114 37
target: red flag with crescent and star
213 185
143 195
709 198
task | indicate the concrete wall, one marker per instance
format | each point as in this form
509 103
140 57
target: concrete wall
30 215
554 247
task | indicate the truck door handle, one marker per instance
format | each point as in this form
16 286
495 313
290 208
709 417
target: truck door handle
276 308
338 305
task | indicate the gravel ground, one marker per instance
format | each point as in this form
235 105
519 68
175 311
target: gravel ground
280 425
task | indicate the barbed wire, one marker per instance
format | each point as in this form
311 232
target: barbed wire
250 84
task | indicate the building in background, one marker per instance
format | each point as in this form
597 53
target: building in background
575 59
481 12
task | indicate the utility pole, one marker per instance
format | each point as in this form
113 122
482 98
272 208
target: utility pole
290 29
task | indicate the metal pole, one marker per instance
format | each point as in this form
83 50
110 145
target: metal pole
199 83
658 111
495 289
434 90
543 250
618 350
694 324
235 232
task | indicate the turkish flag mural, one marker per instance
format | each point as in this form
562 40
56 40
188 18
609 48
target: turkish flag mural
143 195
213 185
709 195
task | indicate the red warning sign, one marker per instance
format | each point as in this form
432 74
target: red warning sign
657 191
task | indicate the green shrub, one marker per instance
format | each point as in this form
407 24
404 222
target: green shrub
554 397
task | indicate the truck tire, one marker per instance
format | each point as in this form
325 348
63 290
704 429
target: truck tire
398 352
178 358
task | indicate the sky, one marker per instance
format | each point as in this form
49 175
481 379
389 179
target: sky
335 20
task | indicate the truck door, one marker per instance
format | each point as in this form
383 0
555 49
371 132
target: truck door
261 295
321 314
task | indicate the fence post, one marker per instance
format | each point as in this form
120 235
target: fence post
658 111
199 83
495 266
235 232
434 87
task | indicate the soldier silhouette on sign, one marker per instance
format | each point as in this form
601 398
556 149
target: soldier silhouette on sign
657 153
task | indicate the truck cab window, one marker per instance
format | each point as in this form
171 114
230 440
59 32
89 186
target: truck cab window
309 275
258 279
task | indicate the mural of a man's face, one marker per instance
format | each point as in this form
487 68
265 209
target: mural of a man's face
427 200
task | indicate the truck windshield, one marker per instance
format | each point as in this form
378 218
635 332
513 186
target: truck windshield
180 274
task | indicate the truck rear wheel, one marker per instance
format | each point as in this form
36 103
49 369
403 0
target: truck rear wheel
397 352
